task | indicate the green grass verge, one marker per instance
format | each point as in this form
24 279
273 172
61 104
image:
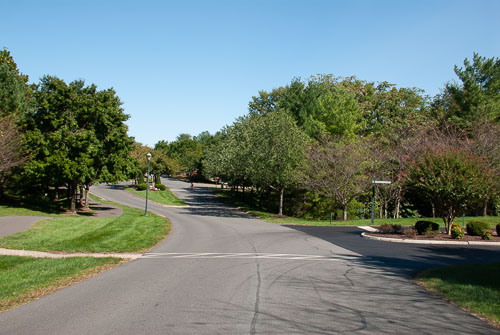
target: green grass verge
475 288
163 197
23 279
131 232
8 210
242 201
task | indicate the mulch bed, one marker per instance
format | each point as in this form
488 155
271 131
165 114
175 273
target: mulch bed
438 237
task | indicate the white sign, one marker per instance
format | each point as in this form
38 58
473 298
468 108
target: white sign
381 182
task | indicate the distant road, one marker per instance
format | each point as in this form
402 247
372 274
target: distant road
223 272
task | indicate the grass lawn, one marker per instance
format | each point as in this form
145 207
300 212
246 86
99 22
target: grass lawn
475 288
131 232
6 210
23 279
163 197
242 202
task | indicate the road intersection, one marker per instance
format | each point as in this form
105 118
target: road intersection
221 271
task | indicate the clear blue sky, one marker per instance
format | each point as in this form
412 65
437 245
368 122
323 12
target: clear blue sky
190 66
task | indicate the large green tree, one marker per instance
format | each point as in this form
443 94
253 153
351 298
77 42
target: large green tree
228 157
276 151
77 136
475 97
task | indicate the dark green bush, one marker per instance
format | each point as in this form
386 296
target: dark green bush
161 187
474 228
141 187
498 229
423 227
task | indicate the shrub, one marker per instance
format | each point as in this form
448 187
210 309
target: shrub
142 186
161 187
474 228
423 227
498 229
387 228
457 232
486 234
410 232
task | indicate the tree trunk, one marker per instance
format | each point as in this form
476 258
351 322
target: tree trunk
345 212
87 189
72 198
81 196
282 191
485 208
398 203
450 218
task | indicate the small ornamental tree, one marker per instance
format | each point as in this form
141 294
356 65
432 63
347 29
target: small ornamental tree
451 178
338 170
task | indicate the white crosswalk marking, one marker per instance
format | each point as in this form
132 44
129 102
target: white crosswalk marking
211 255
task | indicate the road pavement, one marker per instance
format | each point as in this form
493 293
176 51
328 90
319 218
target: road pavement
221 271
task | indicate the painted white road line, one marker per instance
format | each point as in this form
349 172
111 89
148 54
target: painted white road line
209 255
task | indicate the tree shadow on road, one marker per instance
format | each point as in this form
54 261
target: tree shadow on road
402 258
203 203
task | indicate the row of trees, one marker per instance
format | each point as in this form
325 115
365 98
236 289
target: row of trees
330 137
312 145
55 134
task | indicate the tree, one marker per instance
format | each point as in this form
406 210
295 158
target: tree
485 143
228 157
187 151
476 97
338 170
451 178
77 135
10 149
276 149
323 105
15 99
392 112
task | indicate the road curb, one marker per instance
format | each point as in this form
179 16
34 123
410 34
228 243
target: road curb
397 240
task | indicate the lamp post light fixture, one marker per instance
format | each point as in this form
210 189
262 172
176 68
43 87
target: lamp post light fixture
373 195
147 185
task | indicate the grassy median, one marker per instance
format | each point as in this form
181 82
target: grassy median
476 288
131 232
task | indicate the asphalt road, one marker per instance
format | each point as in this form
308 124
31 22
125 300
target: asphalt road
223 272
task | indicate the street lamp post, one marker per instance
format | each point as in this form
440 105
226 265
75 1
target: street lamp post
147 185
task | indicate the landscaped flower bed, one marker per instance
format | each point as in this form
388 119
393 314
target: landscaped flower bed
437 237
